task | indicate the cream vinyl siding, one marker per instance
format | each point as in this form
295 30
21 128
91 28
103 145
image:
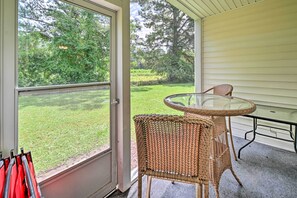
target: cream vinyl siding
254 48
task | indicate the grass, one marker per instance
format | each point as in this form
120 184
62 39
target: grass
146 76
149 99
59 126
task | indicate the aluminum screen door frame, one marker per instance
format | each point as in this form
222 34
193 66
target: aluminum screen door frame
100 171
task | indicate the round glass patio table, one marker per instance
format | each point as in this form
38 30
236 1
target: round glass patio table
216 107
210 104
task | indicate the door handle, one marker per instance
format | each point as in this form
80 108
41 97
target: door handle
115 101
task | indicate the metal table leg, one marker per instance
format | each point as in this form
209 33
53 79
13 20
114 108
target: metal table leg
254 136
254 129
291 131
247 133
295 144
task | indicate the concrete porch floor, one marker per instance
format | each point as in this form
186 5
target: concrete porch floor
265 171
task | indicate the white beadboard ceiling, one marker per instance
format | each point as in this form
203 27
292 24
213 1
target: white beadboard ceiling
204 8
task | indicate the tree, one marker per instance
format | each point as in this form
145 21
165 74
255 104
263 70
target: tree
60 43
168 48
134 39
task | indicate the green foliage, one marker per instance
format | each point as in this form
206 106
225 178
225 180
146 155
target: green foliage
168 48
134 49
60 43
33 58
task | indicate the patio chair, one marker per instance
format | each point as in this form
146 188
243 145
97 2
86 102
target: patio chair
175 148
222 90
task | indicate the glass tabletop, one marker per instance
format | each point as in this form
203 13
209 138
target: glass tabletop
209 104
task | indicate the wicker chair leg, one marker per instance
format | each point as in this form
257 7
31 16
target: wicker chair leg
231 139
139 185
148 186
235 176
206 191
198 190
217 191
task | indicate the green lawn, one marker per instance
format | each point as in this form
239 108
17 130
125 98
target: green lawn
149 99
146 76
56 127
60 126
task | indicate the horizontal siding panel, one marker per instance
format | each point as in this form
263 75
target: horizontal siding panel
239 130
280 70
239 77
262 28
255 84
242 120
247 124
268 92
279 38
238 46
244 50
253 58
250 44
253 91
268 99
243 78
253 64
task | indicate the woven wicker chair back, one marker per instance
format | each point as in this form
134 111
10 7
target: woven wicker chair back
223 90
173 147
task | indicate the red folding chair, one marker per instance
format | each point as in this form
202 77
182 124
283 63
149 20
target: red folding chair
32 170
10 181
21 190
28 166
17 177
6 162
2 176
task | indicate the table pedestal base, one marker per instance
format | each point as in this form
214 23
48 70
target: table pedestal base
220 153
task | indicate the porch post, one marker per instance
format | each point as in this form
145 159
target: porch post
198 55
123 92
8 43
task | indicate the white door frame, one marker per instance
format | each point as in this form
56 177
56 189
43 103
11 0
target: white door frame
8 49
8 94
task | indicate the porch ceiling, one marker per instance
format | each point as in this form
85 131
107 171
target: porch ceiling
203 8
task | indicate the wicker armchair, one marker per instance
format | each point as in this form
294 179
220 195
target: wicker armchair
222 90
174 148
225 90
220 150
